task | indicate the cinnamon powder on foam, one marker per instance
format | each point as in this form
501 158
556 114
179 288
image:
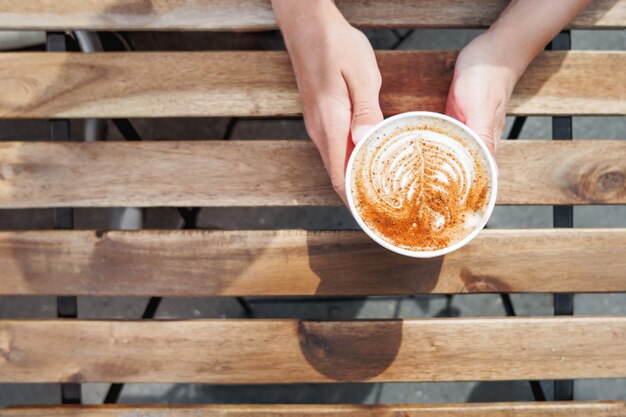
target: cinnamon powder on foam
402 227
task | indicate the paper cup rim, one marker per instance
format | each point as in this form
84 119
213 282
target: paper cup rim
414 253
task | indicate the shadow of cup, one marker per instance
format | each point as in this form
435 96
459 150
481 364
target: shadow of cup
350 351
350 263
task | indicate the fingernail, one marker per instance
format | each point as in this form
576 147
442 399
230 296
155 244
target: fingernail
360 132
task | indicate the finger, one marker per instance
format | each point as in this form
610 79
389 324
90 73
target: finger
483 125
339 150
454 110
330 131
488 133
364 94
452 107
498 133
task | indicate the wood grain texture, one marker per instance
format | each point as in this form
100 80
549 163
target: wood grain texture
277 263
249 15
519 409
290 351
273 173
162 84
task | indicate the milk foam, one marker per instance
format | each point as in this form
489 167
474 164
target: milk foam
422 171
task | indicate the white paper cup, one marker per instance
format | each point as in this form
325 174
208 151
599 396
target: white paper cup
442 122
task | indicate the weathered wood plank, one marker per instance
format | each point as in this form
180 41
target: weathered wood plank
162 84
275 263
249 15
291 351
538 409
272 173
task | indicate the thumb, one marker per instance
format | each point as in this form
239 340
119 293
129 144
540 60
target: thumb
366 111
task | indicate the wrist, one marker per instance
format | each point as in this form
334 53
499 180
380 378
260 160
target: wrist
501 54
300 16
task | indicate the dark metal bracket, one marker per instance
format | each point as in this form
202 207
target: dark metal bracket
67 307
563 217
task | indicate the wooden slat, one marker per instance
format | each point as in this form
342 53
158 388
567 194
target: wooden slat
290 351
271 263
272 173
161 84
537 409
257 14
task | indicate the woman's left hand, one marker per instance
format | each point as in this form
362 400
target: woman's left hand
481 88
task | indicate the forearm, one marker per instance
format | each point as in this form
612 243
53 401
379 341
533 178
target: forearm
526 26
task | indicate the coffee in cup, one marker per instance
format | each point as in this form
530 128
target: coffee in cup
421 184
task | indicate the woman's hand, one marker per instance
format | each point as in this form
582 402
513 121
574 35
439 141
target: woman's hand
488 68
337 76
481 89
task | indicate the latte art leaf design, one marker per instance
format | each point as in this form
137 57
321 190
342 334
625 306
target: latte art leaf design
422 174
398 170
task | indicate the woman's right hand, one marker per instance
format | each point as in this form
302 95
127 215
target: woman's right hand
337 76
